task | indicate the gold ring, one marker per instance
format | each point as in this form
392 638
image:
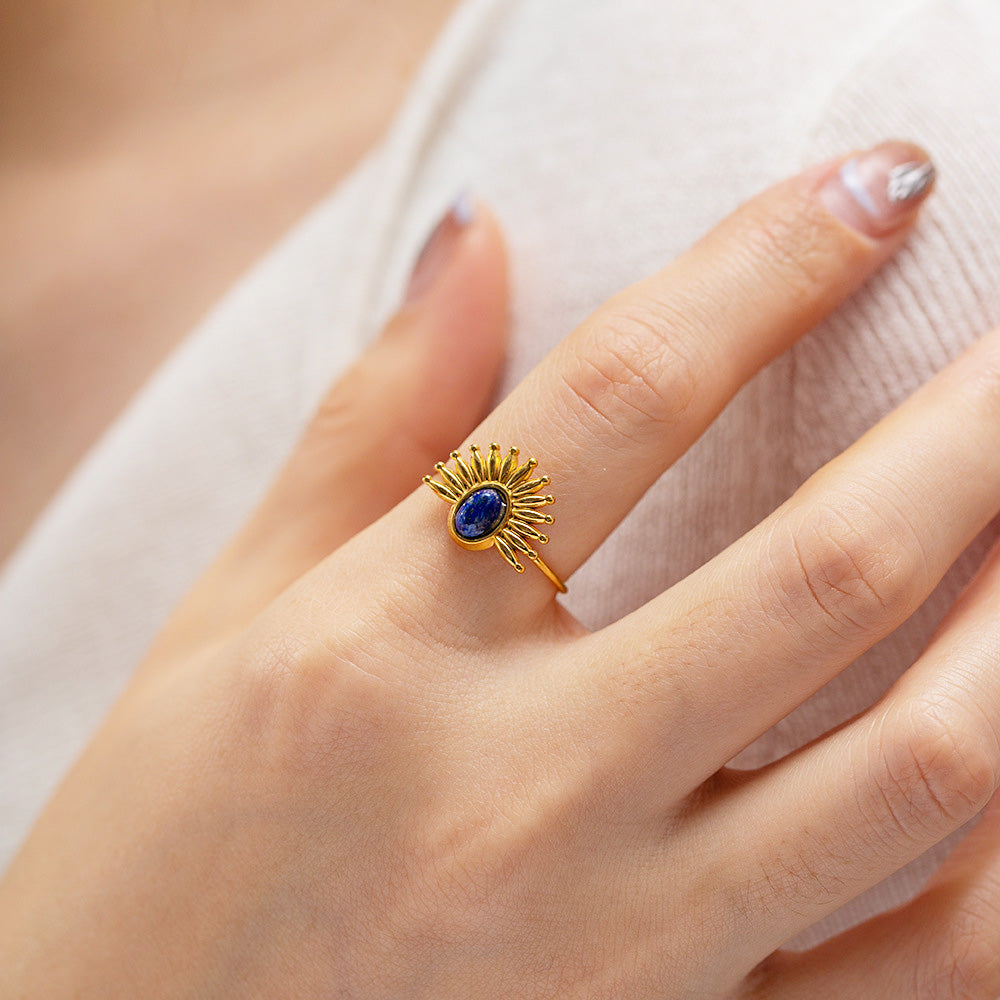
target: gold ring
494 503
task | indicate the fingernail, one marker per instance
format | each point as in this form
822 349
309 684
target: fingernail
876 191
438 248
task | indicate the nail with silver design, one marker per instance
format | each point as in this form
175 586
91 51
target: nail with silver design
880 189
910 180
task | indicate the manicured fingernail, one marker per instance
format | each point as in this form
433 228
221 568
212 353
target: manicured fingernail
876 191
438 248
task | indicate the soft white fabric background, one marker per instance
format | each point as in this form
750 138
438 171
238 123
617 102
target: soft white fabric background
608 135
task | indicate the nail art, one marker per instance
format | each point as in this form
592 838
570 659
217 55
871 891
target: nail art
437 248
910 180
877 191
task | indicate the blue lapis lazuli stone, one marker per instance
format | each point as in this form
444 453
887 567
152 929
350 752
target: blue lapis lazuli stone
480 514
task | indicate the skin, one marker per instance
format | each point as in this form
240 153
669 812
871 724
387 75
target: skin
363 762
135 187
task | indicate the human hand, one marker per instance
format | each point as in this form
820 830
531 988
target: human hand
403 770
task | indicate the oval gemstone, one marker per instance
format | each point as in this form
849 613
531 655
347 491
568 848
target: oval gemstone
480 514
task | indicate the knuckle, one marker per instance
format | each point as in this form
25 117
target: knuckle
315 706
635 372
796 245
934 769
852 564
342 410
978 377
368 407
963 963
337 437
802 876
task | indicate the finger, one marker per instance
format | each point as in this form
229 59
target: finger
627 392
403 403
855 806
841 564
944 943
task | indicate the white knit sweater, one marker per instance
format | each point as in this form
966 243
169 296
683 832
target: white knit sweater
607 135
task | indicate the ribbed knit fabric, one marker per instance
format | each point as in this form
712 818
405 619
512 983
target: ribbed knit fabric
608 135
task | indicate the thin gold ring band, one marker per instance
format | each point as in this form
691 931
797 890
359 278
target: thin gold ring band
496 504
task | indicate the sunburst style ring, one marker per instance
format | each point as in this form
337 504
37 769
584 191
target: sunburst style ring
494 503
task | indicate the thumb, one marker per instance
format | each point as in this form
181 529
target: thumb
424 383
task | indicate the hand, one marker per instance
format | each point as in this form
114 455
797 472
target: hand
411 773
